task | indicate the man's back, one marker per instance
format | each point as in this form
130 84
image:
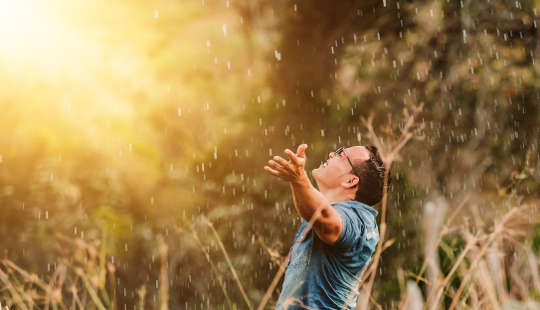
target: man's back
322 276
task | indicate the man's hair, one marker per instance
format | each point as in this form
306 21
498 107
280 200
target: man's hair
371 178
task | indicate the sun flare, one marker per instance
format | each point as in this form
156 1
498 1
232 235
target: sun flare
26 25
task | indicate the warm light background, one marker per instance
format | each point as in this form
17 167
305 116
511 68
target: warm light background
124 121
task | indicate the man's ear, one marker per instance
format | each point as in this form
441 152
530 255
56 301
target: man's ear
350 182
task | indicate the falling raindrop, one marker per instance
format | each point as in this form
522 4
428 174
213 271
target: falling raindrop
224 29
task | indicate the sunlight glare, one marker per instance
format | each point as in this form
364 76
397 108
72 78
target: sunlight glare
22 23
32 35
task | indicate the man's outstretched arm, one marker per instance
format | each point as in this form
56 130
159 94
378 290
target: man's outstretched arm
309 202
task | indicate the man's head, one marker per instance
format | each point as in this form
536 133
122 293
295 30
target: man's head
356 173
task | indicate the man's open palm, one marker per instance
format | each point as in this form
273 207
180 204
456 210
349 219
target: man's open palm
291 170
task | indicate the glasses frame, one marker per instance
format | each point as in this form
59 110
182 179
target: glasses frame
341 150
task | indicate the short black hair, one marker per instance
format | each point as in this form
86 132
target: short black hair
371 178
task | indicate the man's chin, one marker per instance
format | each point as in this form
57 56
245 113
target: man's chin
315 172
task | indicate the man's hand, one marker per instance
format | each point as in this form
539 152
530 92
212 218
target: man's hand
292 170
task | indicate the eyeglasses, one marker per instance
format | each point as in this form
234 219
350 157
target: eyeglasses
340 151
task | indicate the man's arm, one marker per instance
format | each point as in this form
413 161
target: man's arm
309 202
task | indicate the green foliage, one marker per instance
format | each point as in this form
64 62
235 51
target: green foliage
161 113
536 239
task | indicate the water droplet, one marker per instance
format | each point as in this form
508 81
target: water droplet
224 29
277 55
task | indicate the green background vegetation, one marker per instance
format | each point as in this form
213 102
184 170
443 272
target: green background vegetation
161 112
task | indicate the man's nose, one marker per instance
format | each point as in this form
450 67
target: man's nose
332 154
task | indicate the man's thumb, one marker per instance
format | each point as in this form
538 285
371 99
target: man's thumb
301 151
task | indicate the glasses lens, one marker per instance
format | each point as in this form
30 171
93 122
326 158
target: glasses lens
339 151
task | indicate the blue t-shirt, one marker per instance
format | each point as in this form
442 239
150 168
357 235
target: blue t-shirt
323 276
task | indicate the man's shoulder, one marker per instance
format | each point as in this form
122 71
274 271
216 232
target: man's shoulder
361 210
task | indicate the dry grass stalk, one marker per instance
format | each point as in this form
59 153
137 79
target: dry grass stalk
163 275
93 294
15 296
494 259
141 294
87 264
444 231
533 265
414 300
213 266
503 227
485 284
433 217
231 267
389 153
519 287
111 270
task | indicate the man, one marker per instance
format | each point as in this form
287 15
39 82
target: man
327 261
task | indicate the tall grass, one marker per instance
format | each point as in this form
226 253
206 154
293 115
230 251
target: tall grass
495 269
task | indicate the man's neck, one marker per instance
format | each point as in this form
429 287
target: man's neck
334 194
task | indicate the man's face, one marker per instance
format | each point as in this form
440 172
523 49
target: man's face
337 169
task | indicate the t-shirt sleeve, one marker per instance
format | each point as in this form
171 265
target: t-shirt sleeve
353 228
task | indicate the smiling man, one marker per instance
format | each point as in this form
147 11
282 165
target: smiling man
327 262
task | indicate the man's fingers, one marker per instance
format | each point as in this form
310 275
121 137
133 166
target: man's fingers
301 151
272 171
292 156
285 164
275 173
277 166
